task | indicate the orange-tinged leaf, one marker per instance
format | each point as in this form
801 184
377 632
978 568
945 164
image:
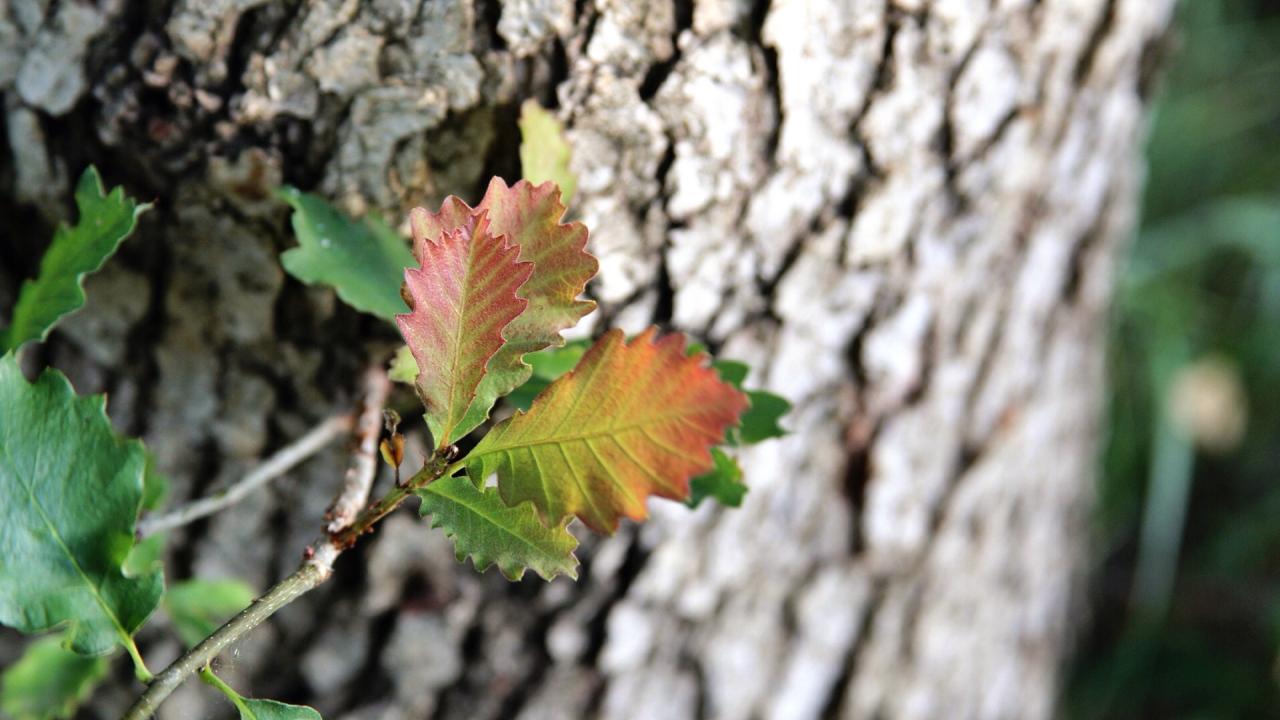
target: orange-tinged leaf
460 300
529 216
633 419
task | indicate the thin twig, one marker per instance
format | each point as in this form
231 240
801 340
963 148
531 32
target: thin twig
271 468
316 567
364 462
314 570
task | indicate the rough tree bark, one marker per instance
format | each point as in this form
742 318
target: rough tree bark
903 213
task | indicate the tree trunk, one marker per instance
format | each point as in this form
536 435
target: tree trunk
902 213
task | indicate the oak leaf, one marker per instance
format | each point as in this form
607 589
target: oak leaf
632 420
529 217
461 299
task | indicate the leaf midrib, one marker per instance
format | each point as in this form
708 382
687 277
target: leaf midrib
493 521
57 536
587 437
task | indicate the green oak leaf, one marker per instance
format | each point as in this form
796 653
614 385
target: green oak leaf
198 607
733 372
363 260
105 221
251 709
760 421
49 681
723 482
544 153
484 527
70 490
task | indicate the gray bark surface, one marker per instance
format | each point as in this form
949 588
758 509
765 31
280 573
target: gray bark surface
902 213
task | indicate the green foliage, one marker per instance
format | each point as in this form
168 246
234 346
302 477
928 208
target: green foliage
547 365
760 421
251 709
70 491
198 607
105 221
404 369
484 527
544 152
724 483
363 260
48 681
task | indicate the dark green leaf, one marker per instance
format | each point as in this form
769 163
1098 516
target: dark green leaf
198 607
105 221
70 490
483 527
48 681
724 482
733 372
760 421
363 260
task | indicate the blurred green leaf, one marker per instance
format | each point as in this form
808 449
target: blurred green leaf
49 681
404 368
724 483
105 221
198 607
363 260
544 152
760 421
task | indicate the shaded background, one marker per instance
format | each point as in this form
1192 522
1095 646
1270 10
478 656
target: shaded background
1186 590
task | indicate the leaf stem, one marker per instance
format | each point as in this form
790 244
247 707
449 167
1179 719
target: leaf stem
140 669
209 678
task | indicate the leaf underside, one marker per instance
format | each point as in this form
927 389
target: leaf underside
105 220
529 217
632 420
363 260
70 490
492 533
462 297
